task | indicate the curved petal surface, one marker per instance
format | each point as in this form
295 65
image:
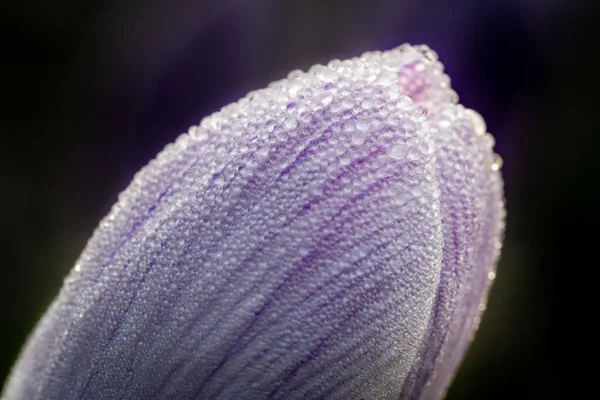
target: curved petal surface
330 236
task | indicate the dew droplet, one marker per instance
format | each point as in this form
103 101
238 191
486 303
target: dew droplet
325 97
496 162
398 151
347 102
270 125
426 147
336 106
358 138
362 124
489 140
477 121
290 122
294 86
348 126
414 154
386 78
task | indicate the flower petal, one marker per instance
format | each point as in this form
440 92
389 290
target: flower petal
473 218
321 238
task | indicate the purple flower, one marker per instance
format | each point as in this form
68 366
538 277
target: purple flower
330 237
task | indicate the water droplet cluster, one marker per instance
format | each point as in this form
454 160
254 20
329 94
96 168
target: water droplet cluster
325 237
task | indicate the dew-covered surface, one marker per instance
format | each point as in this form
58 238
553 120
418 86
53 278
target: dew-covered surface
331 236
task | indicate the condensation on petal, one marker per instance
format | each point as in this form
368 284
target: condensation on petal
422 77
473 213
297 244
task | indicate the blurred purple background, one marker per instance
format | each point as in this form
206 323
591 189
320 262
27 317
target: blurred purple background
93 90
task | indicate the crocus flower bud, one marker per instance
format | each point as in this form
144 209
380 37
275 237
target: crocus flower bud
331 236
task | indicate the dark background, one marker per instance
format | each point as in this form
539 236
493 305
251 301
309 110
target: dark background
91 91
